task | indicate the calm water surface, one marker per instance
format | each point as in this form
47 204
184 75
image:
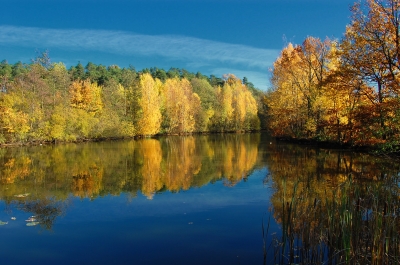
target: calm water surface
170 200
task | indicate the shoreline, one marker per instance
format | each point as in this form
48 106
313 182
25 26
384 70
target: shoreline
102 139
373 150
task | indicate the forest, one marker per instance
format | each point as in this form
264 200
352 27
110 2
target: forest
46 102
344 91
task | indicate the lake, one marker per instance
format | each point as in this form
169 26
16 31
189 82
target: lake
212 199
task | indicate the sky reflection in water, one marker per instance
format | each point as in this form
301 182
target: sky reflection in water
214 224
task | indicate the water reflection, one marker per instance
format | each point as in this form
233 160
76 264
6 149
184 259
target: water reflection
334 206
44 210
148 166
328 204
322 171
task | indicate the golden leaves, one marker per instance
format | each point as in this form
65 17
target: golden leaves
150 118
237 108
180 105
295 102
86 95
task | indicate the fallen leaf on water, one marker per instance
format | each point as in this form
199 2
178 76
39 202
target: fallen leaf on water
32 223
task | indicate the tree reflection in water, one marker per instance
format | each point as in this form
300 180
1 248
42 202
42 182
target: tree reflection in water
334 207
146 166
44 210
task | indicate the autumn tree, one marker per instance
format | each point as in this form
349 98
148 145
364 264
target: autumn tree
37 99
237 108
86 102
14 123
86 95
245 106
113 121
298 92
150 115
285 100
223 120
344 93
208 103
371 52
59 82
31 90
180 105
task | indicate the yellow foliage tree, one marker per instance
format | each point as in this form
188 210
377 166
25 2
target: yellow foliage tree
223 117
371 53
58 123
297 100
179 103
149 122
343 93
14 122
237 109
86 95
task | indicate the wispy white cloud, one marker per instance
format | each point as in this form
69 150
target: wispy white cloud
191 50
258 78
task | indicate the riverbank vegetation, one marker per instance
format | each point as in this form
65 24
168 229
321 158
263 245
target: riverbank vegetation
344 91
46 102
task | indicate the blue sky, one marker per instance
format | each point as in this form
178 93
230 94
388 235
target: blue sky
242 37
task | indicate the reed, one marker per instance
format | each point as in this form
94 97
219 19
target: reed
357 224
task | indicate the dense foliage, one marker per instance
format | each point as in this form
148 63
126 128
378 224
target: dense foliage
343 91
44 101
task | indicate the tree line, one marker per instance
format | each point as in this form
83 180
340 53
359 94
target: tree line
347 90
46 102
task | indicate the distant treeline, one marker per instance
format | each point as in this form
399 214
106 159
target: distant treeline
44 101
